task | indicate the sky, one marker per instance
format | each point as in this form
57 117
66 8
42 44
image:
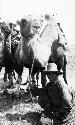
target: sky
62 9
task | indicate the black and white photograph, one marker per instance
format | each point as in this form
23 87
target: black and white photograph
37 62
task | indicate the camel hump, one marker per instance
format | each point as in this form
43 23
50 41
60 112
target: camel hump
48 31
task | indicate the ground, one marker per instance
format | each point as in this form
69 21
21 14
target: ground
23 110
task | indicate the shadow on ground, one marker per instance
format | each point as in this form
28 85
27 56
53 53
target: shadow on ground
33 118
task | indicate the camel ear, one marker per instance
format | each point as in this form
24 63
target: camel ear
18 22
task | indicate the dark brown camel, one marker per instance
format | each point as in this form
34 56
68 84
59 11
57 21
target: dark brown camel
7 59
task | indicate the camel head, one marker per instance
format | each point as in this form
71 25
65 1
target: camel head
26 28
5 31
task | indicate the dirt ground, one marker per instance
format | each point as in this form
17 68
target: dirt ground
24 111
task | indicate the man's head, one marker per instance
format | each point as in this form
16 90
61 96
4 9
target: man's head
52 76
52 72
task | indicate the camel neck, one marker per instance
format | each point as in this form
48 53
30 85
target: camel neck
25 42
25 46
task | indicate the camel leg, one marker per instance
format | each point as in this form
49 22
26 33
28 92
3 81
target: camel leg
19 71
64 74
32 76
43 79
37 78
0 68
61 64
64 70
5 75
10 77
19 80
5 80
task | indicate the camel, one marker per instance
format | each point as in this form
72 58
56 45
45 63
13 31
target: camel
36 51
